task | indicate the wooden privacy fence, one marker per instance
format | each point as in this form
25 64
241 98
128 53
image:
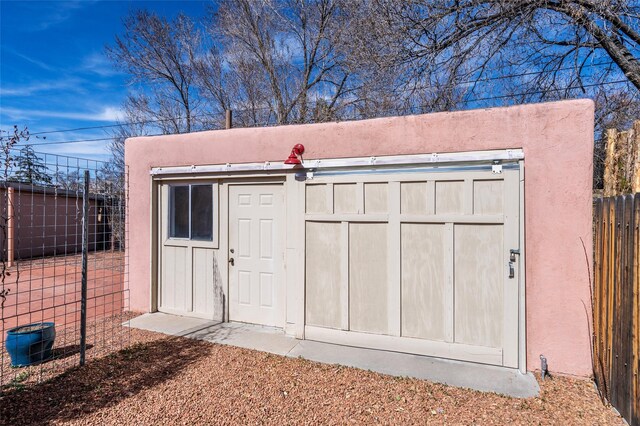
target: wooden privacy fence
616 306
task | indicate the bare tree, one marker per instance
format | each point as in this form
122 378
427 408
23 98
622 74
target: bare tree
111 177
295 61
68 180
229 82
135 123
614 110
291 48
383 77
159 54
563 40
517 51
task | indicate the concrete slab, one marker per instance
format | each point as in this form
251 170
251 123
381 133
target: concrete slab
266 339
486 378
173 325
273 340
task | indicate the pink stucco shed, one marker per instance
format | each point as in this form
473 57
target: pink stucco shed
557 139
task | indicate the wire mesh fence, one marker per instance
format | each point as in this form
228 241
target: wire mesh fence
64 292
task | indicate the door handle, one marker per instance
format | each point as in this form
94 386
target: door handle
512 261
231 261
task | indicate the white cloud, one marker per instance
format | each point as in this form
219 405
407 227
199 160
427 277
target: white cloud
98 150
29 59
98 64
56 13
69 84
109 113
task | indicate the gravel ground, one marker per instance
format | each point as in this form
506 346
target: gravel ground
104 336
169 380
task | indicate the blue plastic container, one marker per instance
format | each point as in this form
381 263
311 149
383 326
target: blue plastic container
30 344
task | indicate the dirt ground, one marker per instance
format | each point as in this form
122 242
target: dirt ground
48 289
170 380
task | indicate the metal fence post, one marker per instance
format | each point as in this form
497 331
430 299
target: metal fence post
11 226
85 253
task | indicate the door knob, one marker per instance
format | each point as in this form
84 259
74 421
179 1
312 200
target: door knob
231 261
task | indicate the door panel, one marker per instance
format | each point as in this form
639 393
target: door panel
323 274
203 278
368 283
478 275
174 279
424 279
255 245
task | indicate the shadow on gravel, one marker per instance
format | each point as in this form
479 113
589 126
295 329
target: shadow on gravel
68 351
100 383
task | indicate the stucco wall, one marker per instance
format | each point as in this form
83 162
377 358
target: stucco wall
557 139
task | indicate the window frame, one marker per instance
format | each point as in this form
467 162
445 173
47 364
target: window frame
214 242
170 220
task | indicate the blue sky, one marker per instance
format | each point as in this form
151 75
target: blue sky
53 72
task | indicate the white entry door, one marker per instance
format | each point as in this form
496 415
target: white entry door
256 254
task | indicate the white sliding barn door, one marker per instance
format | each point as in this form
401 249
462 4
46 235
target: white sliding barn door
416 262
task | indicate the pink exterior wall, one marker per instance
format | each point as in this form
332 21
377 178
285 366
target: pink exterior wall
557 139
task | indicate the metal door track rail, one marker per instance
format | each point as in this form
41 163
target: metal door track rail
508 155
